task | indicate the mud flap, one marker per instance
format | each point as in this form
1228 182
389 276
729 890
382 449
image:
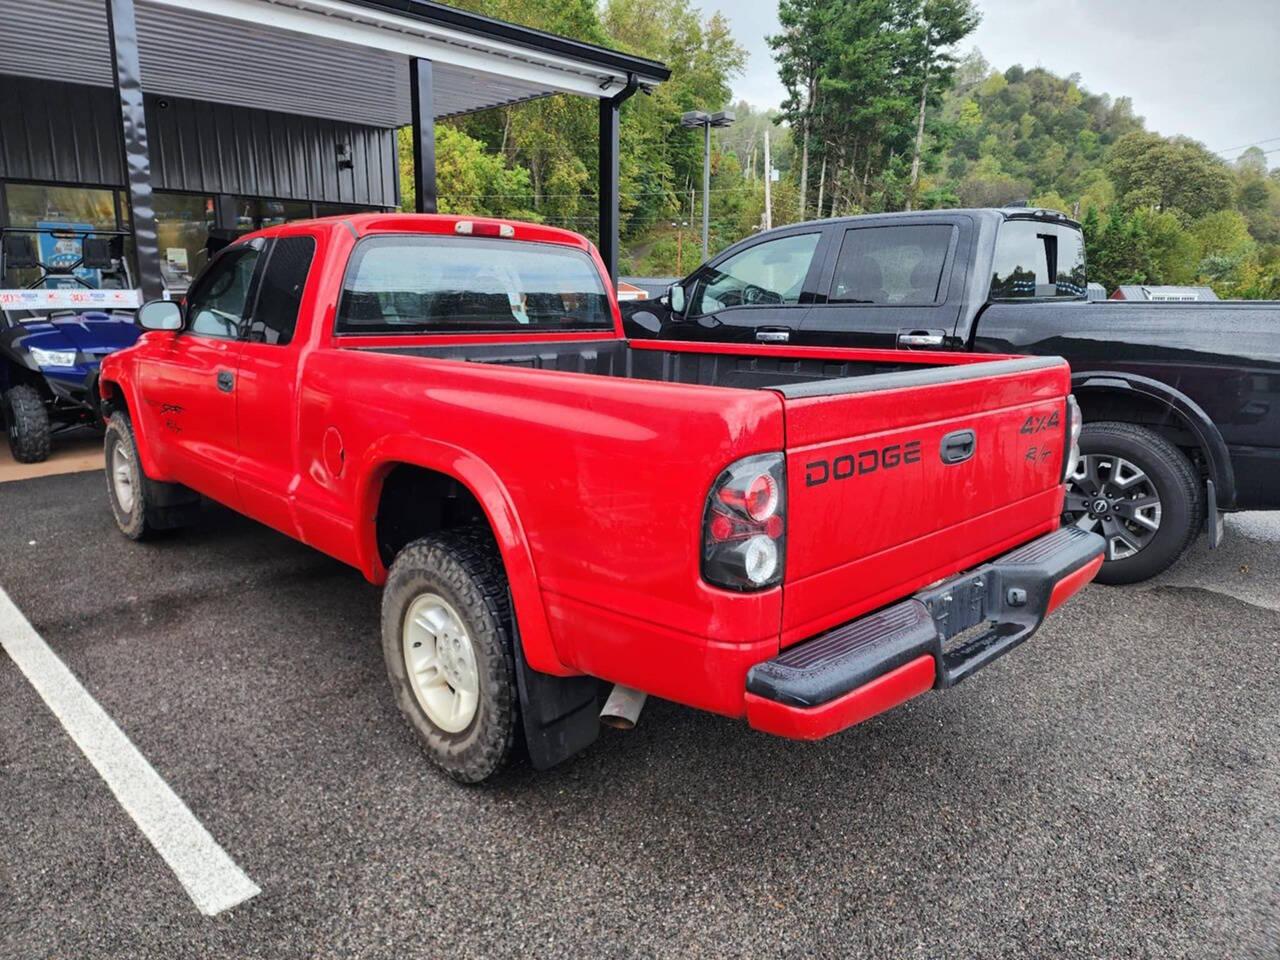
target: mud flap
561 715
1212 518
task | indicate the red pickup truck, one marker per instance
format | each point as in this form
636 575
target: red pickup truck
803 537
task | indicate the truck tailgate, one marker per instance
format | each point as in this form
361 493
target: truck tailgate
963 462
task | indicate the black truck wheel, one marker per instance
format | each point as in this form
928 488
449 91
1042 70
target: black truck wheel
1139 492
141 505
27 422
446 639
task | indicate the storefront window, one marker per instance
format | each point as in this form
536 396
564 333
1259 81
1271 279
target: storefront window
341 209
64 216
31 204
183 223
254 213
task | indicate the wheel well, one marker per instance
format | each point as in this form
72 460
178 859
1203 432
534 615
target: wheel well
12 374
1142 410
113 397
415 502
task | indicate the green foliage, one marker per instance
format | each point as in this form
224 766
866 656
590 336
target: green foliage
469 179
1154 209
1178 175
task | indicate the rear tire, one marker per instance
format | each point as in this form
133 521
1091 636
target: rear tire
447 643
1139 492
27 421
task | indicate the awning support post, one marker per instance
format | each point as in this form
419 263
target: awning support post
609 220
422 100
122 35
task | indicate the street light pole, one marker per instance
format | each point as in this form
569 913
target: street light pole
697 118
706 192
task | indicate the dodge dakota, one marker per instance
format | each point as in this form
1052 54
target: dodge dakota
802 537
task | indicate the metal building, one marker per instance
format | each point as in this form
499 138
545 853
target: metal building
171 120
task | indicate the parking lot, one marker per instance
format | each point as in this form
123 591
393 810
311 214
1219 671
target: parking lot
1111 789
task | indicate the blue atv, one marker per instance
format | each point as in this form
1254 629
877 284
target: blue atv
49 359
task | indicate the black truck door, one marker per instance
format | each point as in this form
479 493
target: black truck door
888 286
756 294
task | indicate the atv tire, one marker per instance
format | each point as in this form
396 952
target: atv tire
27 422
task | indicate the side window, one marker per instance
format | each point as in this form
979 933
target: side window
280 290
891 265
217 306
770 273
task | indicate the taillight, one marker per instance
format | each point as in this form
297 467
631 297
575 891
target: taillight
744 524
1075 422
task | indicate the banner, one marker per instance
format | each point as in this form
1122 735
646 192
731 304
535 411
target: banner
70 298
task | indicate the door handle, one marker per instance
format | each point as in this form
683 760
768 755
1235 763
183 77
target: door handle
226 381
920 338
958 446
776 335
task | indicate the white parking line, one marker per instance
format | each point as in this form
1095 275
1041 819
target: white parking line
211 878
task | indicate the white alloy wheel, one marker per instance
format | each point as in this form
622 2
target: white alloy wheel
122 477
441 662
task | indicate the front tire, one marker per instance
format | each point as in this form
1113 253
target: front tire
1139 492
127 486
27 421
446 640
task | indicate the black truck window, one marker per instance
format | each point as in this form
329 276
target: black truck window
767 274
1036 259
280 290
890 265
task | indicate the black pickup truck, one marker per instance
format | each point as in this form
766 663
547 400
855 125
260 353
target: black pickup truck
1181 400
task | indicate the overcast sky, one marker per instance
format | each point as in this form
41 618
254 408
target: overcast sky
1210 70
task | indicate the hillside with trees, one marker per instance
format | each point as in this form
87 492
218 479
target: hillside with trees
881 114
1155 209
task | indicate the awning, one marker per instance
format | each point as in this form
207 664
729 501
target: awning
342 59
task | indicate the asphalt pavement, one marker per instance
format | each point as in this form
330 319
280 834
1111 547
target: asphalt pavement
1111 789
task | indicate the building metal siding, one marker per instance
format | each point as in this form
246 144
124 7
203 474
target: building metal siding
70 133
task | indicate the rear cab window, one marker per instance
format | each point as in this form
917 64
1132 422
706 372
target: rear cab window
423 283
1038 260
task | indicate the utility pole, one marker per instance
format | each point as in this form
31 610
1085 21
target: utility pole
768 183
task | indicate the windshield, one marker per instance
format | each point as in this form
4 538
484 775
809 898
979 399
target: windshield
429 284
1036 259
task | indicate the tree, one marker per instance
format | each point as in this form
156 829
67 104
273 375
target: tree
1176 174
936 25
802 48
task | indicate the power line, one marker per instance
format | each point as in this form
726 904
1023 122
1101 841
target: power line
1245 146
584 195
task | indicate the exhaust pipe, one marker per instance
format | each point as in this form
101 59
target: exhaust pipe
622 709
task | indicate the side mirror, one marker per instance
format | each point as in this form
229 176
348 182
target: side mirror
675 297
159 315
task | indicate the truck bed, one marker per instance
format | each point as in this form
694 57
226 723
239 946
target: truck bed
793 371
856 539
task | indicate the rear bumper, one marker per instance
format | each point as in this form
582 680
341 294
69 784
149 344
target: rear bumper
932 640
